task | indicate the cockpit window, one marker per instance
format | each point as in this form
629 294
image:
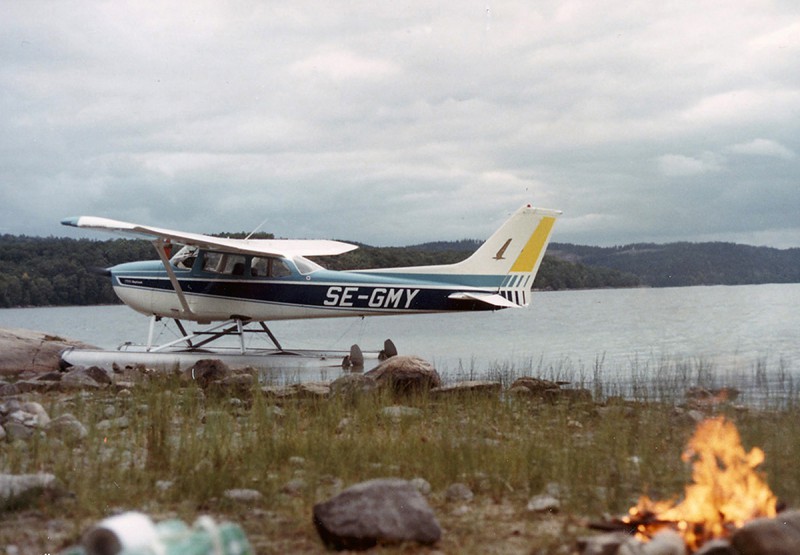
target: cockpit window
269 267
184 258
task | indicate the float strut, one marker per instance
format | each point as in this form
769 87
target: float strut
271 336
150 332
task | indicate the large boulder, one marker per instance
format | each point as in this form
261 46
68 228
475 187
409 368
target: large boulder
405 374
206 371
32 352
376 512
769 536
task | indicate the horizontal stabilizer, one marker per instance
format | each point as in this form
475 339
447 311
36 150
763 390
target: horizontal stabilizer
489 298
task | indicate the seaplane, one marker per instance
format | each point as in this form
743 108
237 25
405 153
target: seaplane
227 284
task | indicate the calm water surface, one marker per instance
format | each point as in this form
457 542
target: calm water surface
731 329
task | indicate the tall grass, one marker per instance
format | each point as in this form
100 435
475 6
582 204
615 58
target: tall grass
183 447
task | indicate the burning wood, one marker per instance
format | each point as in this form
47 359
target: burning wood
726 492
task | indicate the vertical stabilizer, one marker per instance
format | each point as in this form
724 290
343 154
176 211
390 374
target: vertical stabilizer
505 264
514 251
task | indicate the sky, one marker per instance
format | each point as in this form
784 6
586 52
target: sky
399 123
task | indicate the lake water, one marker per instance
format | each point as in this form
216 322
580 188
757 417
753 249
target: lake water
728 332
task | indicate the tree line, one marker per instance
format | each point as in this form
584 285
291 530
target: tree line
684 264
57 271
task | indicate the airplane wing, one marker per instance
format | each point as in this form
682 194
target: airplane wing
489 298
274 247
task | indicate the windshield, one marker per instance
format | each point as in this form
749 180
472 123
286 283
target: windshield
305 266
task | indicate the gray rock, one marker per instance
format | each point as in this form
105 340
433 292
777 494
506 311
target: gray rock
472 387
17 430
19 489
206 371
307 390
422 485
535 385
398 412
243 495
579 395
615 543
773 536
294 487
119 423
666 542
78 379
42 418
235 384
378 511
544 504
405 374
351 386
67 428
31 351
717 547
458 492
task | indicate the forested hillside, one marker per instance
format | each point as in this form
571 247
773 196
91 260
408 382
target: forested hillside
36 271
678 264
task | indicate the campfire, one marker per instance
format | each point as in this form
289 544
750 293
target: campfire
726 492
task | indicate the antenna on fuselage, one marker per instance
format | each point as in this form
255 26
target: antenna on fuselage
257 228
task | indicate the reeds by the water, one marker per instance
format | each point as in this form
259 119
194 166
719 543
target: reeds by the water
168 447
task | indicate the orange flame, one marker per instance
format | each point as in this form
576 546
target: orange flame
726 491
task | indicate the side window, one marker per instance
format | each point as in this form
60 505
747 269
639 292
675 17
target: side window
213 262
279 268
269 267
222 263
259 267
234 265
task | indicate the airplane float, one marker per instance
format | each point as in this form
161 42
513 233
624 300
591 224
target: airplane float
227 284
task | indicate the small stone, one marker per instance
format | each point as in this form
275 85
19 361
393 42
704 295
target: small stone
120 423
164 485
297 462
665 542
398 412
243 495
422 485
294 487
544 504
458 492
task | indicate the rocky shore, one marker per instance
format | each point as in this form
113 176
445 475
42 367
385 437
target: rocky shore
37 399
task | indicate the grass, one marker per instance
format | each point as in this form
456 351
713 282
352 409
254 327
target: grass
183 448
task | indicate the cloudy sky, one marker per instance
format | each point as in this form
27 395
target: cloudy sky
397 123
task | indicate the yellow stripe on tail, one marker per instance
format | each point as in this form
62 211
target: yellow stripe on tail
532 250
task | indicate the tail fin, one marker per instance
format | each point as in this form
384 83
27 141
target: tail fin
505 264
516 248
514 251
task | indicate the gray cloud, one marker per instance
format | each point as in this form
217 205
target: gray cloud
393 125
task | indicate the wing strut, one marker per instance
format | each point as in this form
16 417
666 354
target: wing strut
162 254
